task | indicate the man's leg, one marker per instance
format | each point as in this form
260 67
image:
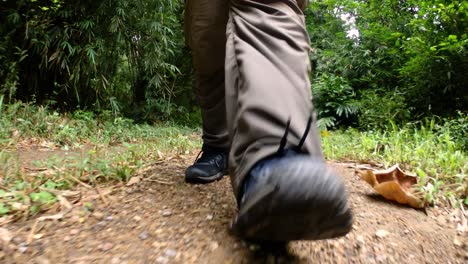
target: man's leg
205 32
278 174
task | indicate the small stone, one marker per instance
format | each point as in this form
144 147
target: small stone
167 213
137 218
156 244
106 246
99 226
406 231
143 235
170 253
133 181
42 260
98 215
66 238
381 258
74 232
381 233
457 242
17 240
162 260
360 241
214 245
209 217
38 236
115 260
109 218
23 247
5 235
442 220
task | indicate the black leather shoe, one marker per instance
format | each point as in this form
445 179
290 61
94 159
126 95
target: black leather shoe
211 166
292 197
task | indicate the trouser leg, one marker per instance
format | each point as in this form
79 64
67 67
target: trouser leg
205 32
267 82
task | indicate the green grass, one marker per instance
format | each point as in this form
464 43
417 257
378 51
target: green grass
111 149
19 121
435 153
103 148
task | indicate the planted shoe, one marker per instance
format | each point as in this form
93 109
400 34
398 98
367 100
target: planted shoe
211 166
292 197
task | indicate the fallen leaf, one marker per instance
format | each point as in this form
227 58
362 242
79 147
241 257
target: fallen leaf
394 184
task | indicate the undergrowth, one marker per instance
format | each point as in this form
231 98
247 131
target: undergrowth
108 149
103 149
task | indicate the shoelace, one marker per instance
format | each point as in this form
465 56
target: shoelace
198 156
284 139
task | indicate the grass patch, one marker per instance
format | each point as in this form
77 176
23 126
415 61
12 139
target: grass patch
112 149
103 148
433 150
72 130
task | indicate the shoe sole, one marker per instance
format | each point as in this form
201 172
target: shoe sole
204 180
301 201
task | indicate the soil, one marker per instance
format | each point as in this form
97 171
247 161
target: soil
158 218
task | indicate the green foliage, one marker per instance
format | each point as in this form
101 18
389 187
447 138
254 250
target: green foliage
102 55
73 130
405 59
437 56
408 60
335 100
378 107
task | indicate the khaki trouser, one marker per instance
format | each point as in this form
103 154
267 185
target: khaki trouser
252 64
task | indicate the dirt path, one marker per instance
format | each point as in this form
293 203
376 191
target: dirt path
163 220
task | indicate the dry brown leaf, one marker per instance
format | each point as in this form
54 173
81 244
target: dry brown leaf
394 184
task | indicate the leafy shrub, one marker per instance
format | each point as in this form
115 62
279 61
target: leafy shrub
379 107
335 100
99 55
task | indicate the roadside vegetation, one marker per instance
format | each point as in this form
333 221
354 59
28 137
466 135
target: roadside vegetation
107 150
